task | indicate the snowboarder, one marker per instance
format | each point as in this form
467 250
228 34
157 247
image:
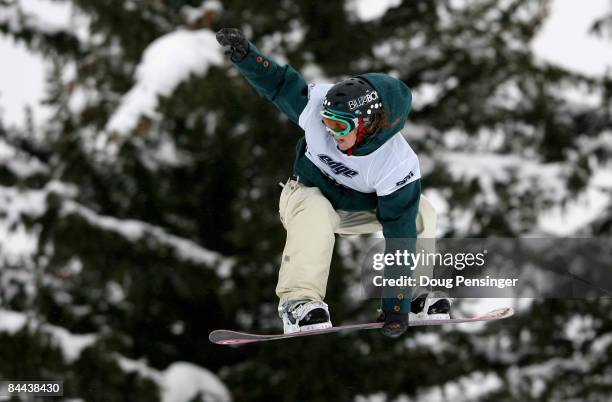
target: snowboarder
354 174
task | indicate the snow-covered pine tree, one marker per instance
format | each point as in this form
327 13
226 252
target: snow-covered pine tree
134 256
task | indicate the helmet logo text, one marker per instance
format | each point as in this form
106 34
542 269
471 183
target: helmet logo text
363 100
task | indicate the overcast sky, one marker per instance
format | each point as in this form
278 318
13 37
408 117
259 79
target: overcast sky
564 40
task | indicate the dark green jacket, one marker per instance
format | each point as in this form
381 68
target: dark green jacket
286 88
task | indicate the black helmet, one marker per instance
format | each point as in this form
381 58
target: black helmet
354 97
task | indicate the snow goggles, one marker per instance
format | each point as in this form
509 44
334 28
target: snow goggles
345 122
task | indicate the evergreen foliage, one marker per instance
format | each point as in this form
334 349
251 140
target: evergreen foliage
152 249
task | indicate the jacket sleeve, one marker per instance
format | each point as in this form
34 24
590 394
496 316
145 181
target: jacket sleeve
397 212
284 86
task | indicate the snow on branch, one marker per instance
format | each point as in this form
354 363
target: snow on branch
19 162
194 14
43 16
167 62
491 168
470 387
16 240
70 344
180 381
134 230
9 16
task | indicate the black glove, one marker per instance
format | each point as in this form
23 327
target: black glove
395 324
235 45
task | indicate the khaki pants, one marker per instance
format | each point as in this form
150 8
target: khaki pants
311 223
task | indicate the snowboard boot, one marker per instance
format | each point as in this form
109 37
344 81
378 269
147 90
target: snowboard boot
431 306
304 315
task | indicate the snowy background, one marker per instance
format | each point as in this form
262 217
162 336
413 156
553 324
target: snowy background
137 194
565 39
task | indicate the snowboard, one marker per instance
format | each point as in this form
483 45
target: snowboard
228 337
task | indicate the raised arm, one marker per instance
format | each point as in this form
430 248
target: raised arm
282 85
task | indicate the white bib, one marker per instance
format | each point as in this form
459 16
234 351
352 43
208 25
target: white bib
393 165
